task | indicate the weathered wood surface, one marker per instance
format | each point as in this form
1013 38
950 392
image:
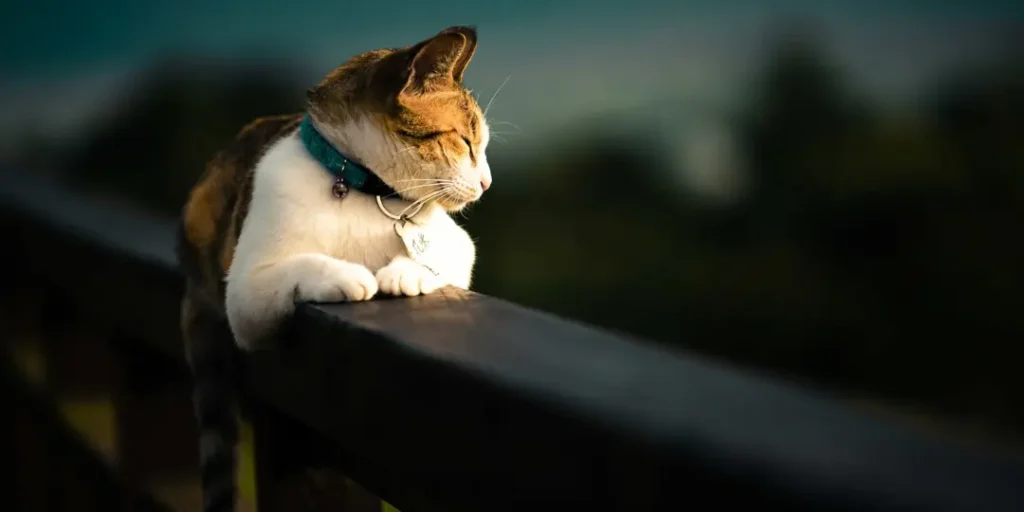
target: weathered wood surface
460 401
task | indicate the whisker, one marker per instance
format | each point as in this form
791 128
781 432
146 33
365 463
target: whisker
463 211
423 199
505 122
414 187
495 95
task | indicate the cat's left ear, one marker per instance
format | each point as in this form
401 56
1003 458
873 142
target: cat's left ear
441 61
467 52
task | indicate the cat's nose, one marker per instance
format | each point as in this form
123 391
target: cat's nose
485 182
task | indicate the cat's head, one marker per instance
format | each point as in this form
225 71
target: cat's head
405 114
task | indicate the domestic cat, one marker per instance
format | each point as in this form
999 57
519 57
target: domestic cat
343 202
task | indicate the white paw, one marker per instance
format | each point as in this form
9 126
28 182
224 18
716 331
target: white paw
404 276
338 281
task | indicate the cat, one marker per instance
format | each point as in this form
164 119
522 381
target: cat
343 202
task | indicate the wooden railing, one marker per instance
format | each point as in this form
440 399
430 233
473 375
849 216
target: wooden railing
455 401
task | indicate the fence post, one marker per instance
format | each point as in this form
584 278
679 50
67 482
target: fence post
157 438
290 477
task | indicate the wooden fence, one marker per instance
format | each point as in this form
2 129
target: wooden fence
450 402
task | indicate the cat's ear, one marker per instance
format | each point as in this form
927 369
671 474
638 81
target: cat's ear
440 62
467 51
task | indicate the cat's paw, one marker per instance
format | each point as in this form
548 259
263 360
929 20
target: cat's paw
338 281
404 276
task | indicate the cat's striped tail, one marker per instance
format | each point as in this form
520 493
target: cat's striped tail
213 359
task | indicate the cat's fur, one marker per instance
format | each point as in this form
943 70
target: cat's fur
262 230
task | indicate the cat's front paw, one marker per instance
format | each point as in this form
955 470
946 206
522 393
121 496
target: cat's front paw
338 281
404 276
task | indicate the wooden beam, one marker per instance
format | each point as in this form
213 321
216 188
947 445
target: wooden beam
458 401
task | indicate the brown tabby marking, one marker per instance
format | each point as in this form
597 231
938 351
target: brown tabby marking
423 104
213 216
211 223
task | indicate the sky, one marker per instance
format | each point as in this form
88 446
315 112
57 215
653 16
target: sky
63 61
36 35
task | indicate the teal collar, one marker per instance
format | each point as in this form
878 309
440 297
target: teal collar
348 172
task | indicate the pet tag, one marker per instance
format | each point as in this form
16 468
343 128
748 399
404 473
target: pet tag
417 243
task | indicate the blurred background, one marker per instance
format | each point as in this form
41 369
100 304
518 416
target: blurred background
830 192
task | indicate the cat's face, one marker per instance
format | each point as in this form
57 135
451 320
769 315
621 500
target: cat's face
405 114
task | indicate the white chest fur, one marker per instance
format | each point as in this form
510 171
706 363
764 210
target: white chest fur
293 209
300 242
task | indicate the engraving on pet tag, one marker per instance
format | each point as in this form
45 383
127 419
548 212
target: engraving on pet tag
417 243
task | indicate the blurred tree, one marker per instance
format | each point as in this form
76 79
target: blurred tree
183 110
865 259
798 115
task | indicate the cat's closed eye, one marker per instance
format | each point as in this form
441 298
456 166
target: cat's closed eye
421 136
